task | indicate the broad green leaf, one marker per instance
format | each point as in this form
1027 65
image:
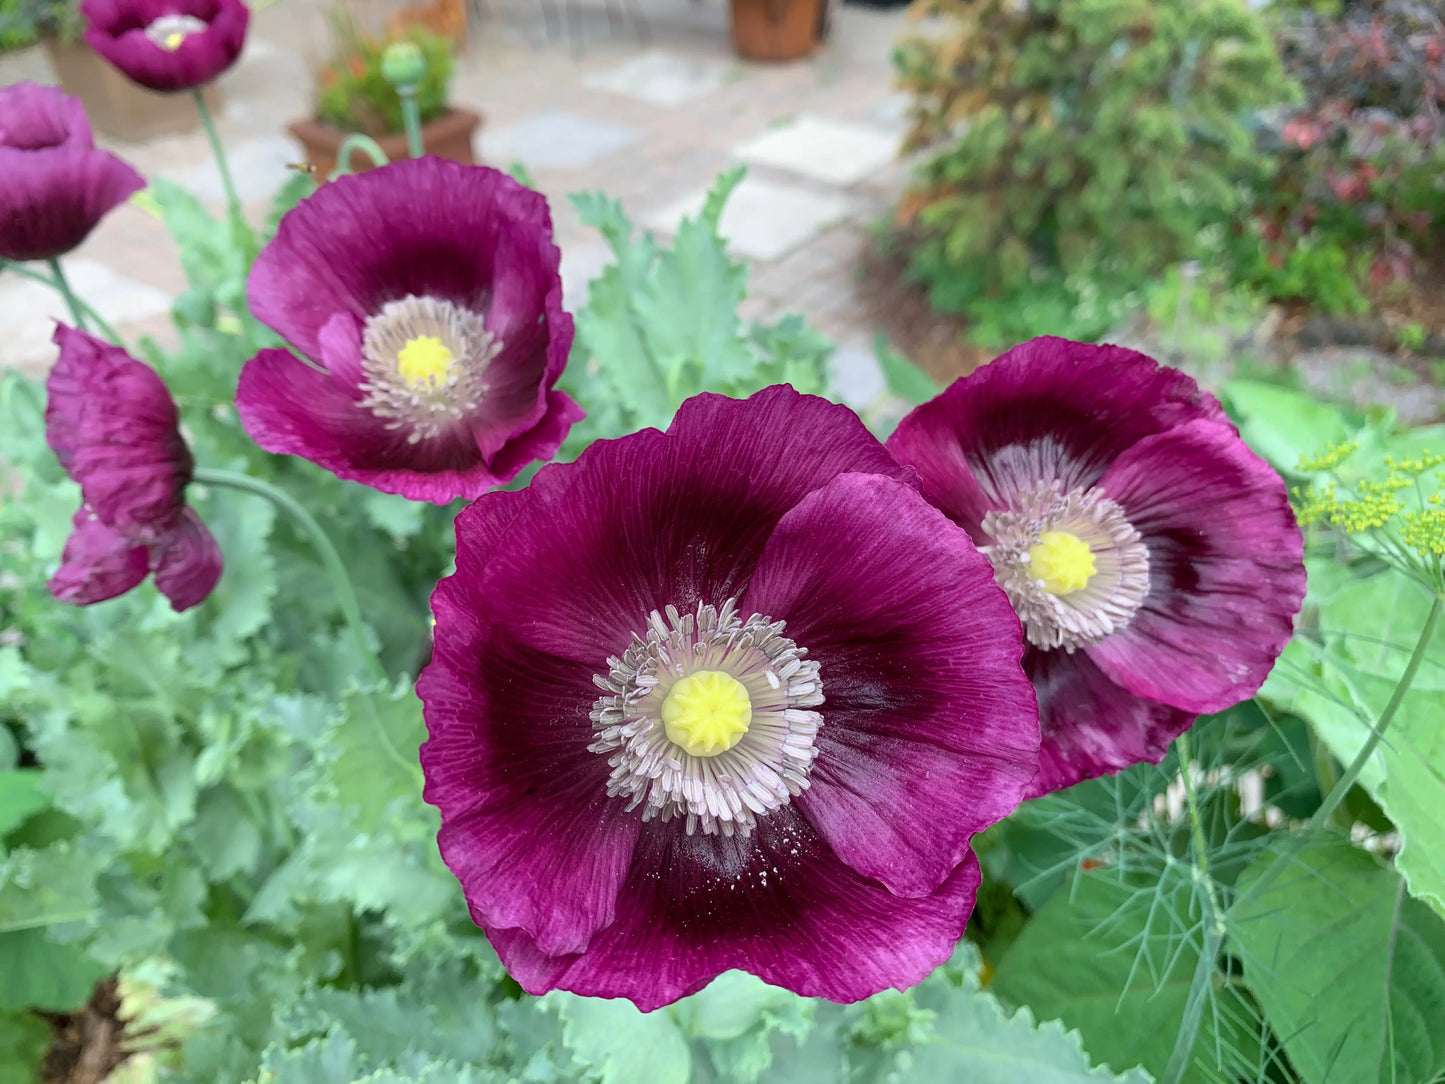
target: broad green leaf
617 1044
904 379
1350 970
44 974
1115 960
24 1039
21 794
1282 424
1341 680
241 603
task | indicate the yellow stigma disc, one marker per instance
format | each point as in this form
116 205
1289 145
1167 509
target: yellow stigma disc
1063 561
174 39
707 713
424 360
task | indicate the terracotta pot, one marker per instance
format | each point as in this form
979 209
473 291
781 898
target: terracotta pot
114 104
449 136
776 29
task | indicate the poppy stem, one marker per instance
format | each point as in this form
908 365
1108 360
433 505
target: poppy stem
233 201
411 118
330 559
80 312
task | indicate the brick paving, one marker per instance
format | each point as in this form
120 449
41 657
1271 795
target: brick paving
650 122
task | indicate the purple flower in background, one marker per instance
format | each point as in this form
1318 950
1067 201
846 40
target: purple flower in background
167 44
427 295
1153 559
729 696
113 426
54 185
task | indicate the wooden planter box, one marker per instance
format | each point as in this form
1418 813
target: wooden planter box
114 104
449 136
776 29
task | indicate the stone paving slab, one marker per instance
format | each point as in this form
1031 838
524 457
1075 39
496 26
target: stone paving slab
28 310
822 149
763 219
663 78
555 139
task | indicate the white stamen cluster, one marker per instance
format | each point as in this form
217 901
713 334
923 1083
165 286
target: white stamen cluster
1113 594
170 30
425 408
726 793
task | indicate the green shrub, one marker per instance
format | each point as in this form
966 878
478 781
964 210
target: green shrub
24 22
1078 138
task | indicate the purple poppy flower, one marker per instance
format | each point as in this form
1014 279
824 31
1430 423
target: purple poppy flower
427 295
1153 559
729 696
167 44
54 185
113 426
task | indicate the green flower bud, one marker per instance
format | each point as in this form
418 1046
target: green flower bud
402 64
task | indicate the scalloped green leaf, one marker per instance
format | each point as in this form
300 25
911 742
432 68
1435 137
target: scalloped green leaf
618 1044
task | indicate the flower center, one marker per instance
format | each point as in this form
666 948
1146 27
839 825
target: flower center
707 712
169 31
424 360
424 364
1073 566
708 717
1063 562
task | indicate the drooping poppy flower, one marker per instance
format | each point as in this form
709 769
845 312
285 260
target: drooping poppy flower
54 185
729 696
1153 559
113 426
427 295
167 44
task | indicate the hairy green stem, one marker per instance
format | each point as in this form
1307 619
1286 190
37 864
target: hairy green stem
233 201
335 568
411 118
350 145
71 301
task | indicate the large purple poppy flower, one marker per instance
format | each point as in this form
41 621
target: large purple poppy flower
167 44
1154 560
732 696
113 426
427 295
54 185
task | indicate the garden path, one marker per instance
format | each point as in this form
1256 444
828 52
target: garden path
651 122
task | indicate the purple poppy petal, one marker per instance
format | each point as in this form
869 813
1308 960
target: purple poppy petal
527 825
97 564
116 29
423 226
35 117
534 352
1049 409
908 767
291 408
1226 569
113 425
656 520
1091 727
778 904
50 200
187 562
